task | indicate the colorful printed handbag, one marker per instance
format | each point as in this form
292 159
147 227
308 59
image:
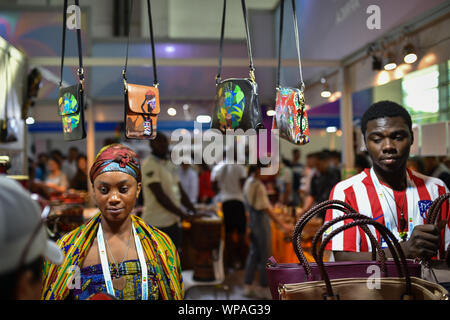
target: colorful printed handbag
141 102
237 105
290 118
71 99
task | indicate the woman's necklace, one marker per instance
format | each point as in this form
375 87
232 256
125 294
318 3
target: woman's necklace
118 281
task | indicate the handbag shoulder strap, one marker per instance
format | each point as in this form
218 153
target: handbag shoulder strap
63 48
150 22
297 43
7 55
247 34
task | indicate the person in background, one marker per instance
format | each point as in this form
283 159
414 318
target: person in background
164 197
69 165
41 167
56 180
361 162
322 182
415 164
206 192
390 193
308 174
335 159
227 180
297 171
260 212
188 180
79 181
24 244
115 252
284 182
434 168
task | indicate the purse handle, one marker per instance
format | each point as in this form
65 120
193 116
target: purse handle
80 70
360 220
150 22
432 218
249 46
297 43
436 207
317 209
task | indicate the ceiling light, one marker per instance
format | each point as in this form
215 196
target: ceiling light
185 107
171 112
270 113
170 49
331 129
203 118
410 53
325 93
390 63
29 120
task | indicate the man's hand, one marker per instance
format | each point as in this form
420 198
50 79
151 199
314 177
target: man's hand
424 241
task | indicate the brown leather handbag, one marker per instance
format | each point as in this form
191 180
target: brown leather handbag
141 102
437 271
403 287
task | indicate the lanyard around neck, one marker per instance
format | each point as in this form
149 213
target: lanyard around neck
105 265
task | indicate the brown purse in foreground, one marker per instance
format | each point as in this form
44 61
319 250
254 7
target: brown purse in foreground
141 102
404 287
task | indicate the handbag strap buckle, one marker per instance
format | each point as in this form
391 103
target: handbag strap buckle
252 74
125 83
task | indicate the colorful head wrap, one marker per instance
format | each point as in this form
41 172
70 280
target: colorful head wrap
116 157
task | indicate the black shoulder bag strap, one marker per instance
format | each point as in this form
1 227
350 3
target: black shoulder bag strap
297 42
249 46
80 52
124 72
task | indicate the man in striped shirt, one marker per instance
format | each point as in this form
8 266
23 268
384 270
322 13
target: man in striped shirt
390 193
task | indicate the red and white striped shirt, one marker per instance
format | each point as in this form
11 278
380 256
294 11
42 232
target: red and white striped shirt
368 196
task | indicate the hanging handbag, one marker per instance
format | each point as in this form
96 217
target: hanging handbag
285 273
9 129
71 99
236 105
141 102
290 111
402 287
437 271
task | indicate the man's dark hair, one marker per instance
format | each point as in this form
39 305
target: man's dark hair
311 155
323 155
8 281
383 109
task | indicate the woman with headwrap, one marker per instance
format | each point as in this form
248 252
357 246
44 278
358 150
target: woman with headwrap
115 252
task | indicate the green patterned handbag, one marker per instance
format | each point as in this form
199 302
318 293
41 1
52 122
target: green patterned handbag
237 105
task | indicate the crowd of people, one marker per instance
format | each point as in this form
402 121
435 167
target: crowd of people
151 242
55 173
